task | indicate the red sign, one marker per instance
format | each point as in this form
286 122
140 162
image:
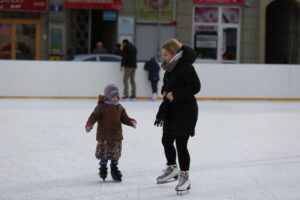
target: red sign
23 5
93 4
226 2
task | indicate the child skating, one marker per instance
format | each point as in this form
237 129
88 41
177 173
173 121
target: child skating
110 115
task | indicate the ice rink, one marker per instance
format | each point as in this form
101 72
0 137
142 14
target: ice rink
241 151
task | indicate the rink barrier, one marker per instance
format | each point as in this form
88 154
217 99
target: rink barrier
85 80
159 98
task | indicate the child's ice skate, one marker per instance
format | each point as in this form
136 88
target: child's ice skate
103 172
170 174
184 183
116 174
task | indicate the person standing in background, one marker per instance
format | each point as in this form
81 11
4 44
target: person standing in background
99 48
153 75
128 65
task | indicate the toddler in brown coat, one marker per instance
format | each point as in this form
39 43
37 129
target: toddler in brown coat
109 114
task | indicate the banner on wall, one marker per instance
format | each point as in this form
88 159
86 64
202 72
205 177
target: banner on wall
153 10
226 2
23 5
93 4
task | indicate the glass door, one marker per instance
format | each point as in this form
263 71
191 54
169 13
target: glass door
229 44
229 29
19 39
5 41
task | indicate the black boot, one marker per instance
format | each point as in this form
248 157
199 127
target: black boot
103 172
116 173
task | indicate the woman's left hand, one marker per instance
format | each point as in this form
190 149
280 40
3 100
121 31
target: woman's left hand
170 96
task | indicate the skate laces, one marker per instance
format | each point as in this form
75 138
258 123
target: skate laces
183 177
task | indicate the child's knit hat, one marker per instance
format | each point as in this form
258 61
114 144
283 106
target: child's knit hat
111 90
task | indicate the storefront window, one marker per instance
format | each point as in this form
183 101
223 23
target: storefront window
206 41
25 38
206 15
216 33
231 15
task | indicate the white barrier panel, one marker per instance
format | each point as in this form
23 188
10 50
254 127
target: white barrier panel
88 79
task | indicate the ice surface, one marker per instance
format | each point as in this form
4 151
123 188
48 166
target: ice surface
241 151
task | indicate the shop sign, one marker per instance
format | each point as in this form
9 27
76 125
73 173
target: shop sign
23 5
125 25
109 15
93 4
223 2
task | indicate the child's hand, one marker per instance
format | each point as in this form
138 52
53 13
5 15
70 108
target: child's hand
88 129
133 123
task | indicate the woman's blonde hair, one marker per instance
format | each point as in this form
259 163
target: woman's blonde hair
173 46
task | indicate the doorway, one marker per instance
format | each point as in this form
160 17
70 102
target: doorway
104 29
19 39
90 27
282 32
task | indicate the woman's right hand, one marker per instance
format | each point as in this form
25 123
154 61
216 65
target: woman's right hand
170 96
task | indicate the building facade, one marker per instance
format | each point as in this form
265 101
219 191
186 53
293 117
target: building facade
221 31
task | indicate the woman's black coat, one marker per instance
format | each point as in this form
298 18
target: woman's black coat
182 113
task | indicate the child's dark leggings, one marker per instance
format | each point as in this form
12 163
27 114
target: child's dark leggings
181 146
112 162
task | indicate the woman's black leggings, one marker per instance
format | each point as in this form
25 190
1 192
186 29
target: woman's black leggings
181 146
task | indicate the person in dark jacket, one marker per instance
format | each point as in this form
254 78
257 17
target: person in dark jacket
153 75
128 63
178 112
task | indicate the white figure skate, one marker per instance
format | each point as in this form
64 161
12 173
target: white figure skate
170 174
184 183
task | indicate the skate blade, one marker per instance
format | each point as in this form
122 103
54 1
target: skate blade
169 181
179 192
117 179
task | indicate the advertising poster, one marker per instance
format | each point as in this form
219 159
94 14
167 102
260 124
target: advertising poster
56 39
